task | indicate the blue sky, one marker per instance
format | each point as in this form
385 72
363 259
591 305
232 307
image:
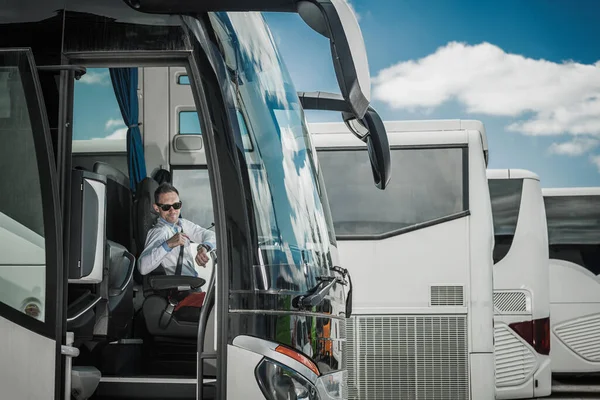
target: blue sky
524 68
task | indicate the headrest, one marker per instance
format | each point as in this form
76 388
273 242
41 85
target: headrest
144 215
111 172
162 176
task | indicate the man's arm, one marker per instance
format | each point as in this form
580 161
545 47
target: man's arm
155 250
200 235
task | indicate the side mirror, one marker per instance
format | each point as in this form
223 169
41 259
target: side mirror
335 20
369 129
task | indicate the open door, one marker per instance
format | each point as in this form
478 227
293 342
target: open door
31 318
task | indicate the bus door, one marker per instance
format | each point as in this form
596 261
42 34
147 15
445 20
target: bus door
31 256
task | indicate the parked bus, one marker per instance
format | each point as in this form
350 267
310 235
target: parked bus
420 255
76 318
573 218
521 286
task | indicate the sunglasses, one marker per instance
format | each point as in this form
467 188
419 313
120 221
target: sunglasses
167 207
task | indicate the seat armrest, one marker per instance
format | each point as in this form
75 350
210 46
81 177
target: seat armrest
168 282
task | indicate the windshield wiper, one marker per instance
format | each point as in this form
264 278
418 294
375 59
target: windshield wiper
317 294
346 274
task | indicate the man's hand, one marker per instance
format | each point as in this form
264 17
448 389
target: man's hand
202 256
179 239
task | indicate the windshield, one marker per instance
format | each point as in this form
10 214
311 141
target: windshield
428 186
573 219
291 214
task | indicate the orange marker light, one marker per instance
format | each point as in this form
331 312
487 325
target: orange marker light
307 362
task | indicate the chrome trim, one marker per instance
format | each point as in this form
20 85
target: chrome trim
88 308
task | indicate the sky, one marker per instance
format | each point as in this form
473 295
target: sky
529 70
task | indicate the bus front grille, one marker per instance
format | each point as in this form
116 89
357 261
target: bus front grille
407 357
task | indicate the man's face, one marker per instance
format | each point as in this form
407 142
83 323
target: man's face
172 215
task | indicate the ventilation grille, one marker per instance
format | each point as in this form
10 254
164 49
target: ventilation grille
447 296
515 361
408 358
582 336
350 359
510 302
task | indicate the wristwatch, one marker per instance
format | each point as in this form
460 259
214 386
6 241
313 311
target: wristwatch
203 245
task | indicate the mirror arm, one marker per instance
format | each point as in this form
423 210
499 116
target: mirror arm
324 101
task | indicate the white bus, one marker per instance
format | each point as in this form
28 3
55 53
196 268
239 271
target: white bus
573 216
420 255
73 322
521 299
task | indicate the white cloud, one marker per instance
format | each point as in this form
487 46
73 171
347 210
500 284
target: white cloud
548 98
96 78
596 160
116 135
575 147
111 123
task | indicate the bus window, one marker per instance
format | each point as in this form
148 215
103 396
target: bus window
99 132
189 124
183 80
505 196
427 186
574 229
23 255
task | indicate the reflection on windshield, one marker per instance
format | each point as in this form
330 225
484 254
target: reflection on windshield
573 219
291 218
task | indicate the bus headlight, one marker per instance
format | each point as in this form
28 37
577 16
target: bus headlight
278 382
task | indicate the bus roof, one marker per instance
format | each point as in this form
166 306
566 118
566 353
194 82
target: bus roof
572 191
418 132
511 173
431 125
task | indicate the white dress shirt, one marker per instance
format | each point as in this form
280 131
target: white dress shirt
156 250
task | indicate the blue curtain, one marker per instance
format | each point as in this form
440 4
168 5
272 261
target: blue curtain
125 84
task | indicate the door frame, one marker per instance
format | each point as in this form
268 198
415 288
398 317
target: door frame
51 327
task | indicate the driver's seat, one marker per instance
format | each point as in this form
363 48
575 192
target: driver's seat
167 311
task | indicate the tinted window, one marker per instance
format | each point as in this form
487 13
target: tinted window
506 200
22 236
194 191
573 219
427 185
574 230
189 124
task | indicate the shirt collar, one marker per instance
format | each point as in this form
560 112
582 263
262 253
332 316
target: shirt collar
164 221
